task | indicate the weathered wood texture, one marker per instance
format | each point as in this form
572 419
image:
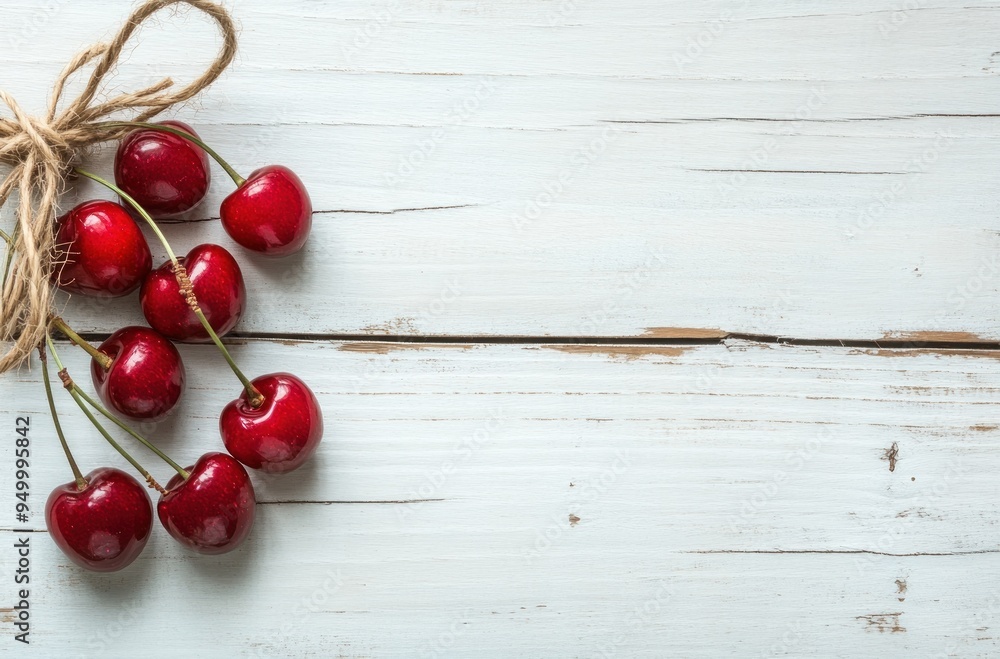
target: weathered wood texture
567 500
552 170
818 170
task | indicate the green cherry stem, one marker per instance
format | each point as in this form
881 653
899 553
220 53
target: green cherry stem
73 391
81 482
255 398
237 179
124 426
99 357
134 204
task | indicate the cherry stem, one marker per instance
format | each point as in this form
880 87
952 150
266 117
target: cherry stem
74 392
124 426
6 237
81 482
102 359
254 396
237 179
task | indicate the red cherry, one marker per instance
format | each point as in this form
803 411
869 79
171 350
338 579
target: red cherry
282 433
218 284
146 376
269 213
103 527
212 511
165 173
100 251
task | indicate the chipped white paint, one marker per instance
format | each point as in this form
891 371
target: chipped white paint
578 168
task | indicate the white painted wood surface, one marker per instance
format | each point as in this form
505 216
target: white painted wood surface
535 500
870 130
810 170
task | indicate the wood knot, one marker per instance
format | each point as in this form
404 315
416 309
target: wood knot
892 455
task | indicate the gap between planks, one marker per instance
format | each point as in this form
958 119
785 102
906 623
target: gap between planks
654 336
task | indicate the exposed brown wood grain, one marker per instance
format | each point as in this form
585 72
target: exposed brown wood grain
622 352
385 347
883 622
936 337
916 352
684 333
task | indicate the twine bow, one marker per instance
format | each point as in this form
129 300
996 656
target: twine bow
41 151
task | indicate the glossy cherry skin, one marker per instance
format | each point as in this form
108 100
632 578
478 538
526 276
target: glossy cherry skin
146 377
218 284
165 173
212 511
100 251
103 527
270 212
282 433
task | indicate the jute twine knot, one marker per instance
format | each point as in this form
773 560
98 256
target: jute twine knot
67 381
186 287
41 152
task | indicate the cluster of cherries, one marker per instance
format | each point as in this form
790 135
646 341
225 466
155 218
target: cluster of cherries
103 521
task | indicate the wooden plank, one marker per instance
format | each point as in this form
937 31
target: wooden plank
294 593
780 492
580 180
646 168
